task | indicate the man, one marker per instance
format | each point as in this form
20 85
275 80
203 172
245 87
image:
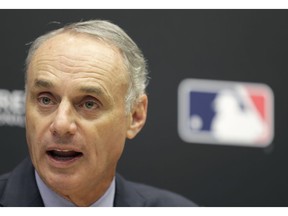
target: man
85 94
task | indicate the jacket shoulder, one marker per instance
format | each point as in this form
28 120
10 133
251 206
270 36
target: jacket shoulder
137 194
18 188
3 183
160 197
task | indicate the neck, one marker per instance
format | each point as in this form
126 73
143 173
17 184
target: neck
88 197
88 194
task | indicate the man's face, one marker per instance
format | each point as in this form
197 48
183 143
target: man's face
75 113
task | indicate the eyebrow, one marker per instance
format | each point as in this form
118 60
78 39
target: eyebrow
97 91
40 83
91 90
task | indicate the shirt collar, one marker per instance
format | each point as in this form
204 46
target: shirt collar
52 199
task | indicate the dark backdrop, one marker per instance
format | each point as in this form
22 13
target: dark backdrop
234 45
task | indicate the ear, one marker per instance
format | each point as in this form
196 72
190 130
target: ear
138 117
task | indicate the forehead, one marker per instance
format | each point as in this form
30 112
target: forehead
80 45
75 53
72 60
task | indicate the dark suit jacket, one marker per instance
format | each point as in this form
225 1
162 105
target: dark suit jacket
19 189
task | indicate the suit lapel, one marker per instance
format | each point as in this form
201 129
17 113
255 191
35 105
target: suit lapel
126 195
21 188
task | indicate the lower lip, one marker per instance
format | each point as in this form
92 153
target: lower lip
63 163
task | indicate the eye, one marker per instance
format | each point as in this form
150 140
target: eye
90 104
44 100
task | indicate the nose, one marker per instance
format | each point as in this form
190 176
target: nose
63 123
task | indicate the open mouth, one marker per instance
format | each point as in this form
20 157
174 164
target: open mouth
64 155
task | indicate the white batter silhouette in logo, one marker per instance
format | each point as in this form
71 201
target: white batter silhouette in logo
233 122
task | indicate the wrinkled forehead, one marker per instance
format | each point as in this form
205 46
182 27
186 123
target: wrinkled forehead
77 47
75 41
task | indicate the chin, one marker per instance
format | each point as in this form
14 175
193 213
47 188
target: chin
64 184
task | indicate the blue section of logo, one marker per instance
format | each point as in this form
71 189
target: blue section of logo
201 107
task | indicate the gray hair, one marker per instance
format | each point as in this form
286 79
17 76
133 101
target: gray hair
104 30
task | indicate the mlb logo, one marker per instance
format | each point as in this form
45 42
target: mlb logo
222 112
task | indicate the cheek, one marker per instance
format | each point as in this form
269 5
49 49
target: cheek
30 128
107 139
33 134
31 118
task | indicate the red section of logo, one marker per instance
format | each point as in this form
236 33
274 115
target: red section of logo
259 102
